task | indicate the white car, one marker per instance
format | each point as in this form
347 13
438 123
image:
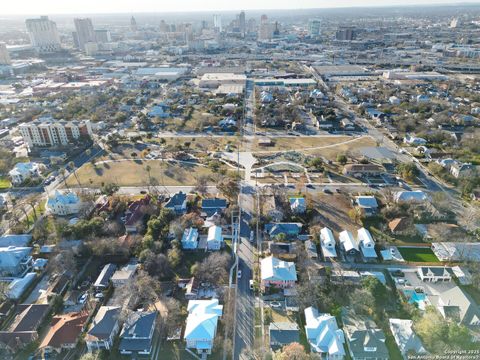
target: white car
275 304
239 274
252 236
250 283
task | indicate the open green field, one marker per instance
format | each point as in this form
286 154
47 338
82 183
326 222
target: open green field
134 173
416 254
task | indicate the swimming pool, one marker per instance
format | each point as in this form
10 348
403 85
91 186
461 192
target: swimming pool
415 297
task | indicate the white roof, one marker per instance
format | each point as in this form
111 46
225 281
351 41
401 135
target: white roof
404 336
274 269
414 196
214 233
367 245
323 333
347 240
202 319
328 242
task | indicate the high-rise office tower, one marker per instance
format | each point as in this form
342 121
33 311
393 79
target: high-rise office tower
345 34
4 55
133 24
314 27
217 22
85 32
43 34
241 22
103 36
266 29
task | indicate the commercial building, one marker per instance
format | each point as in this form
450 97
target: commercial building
54 133
43 34
214 80
314 27
84 32
4 55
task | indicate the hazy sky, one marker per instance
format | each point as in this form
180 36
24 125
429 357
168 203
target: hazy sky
131 6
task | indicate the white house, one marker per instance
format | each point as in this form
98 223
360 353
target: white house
190 239
323 334
202 324
277 273
408 342
63 203
350 246
367 245
417 196
24 171
327 242
434 274
214 238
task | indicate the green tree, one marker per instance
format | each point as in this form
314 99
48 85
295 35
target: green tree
342 159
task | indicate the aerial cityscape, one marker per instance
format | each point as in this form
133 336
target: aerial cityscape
197 181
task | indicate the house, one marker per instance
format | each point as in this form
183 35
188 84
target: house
311 249
105 326
124 274
212 206
202 323
214 238
458 305
103 280
323 334
463 276
159 111
298 205
15 240
135 213
275 272
365 341
462 170
348 243
407 341
63 203
191 288
23 171
401 226
368 204
18 286
457 251
434 274
366 243
177 203
190 239
282 333
23 329
291 230
413 140
358 170
416 196
15 261
327 243
64 331
137 333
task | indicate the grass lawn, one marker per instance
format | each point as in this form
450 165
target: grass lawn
134 173
5 183
418 254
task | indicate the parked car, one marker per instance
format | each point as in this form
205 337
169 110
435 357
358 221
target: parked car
82 299
250 284
239 274
252 236
275 304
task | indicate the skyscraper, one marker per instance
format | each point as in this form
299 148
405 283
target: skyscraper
133 24
217 22
4 55
266 29
241 23
84 32
43 34
314 27
345 34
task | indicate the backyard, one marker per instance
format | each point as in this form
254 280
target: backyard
418 254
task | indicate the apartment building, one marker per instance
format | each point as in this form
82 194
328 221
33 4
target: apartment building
54 133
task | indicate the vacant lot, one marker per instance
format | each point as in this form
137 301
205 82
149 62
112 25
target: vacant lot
332 212
134 173
415 254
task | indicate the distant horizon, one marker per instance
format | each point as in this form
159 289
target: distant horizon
55 7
